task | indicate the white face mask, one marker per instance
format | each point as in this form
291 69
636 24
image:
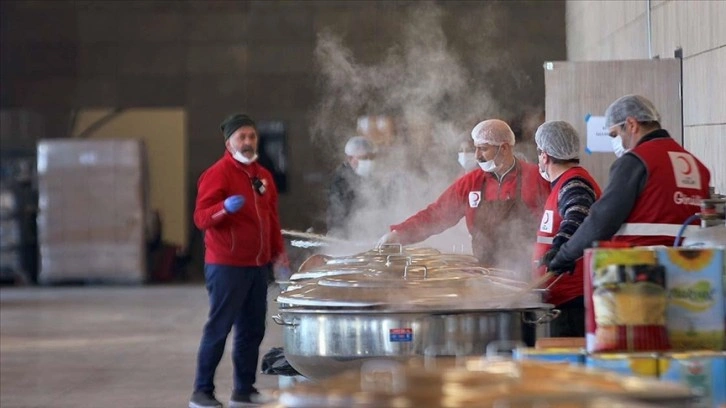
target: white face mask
242 158
618 147
489 165
364 168
467 160
543 173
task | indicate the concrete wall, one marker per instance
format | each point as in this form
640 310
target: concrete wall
605 30
213 58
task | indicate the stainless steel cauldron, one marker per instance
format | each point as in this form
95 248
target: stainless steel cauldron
323 342
336 315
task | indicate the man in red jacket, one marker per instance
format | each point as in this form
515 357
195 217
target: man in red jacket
501 201
654 187
573 193
237 210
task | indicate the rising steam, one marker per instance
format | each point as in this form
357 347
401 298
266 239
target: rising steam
435 98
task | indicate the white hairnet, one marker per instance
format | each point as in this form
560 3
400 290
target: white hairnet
558 139
635 106
494 132
359 146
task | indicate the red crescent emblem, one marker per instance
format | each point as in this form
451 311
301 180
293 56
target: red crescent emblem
546 218
477 196
689 169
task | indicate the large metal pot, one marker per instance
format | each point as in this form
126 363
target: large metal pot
320 343
336 315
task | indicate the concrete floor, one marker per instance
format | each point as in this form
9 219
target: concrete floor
108 346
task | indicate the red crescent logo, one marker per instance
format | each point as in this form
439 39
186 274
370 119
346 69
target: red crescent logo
689 169
546 217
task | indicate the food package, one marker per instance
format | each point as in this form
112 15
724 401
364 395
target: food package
695 312
92 203
574 356
704 372
635 364
626 301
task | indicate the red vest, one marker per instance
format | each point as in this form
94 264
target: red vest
676 183
567 287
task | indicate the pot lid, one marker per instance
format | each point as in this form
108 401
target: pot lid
395 271
456 290
384 253
317 267
393 276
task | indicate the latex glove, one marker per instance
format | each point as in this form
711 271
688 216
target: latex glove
282 273
281 268
391 237
233 203
558 266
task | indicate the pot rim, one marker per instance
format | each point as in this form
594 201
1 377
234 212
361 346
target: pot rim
422 311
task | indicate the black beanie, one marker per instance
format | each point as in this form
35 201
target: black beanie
234 122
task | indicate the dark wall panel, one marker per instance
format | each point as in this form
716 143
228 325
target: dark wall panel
218 57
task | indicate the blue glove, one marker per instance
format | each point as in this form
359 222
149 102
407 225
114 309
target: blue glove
283 273
233 203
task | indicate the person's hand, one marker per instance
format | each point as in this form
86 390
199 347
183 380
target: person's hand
233 203
391 237
558 266
282 273
281 269
547 258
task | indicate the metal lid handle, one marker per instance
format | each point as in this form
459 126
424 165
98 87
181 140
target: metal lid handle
409 266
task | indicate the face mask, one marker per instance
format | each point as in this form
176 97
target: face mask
242 158
365 167
543 173
490 165
618 148
467 160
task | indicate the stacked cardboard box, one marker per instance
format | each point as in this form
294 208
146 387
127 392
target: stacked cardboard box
92 210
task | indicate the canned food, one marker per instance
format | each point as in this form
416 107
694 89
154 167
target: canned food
636 364
704 372
574 356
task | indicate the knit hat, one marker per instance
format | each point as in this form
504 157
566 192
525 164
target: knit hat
234 122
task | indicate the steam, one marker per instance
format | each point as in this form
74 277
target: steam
424 84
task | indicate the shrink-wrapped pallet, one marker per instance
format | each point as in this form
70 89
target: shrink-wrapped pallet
92 210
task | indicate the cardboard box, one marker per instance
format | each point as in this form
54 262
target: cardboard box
93 204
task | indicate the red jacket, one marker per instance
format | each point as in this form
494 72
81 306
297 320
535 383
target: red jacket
454 203
677 181
568 287
249 237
